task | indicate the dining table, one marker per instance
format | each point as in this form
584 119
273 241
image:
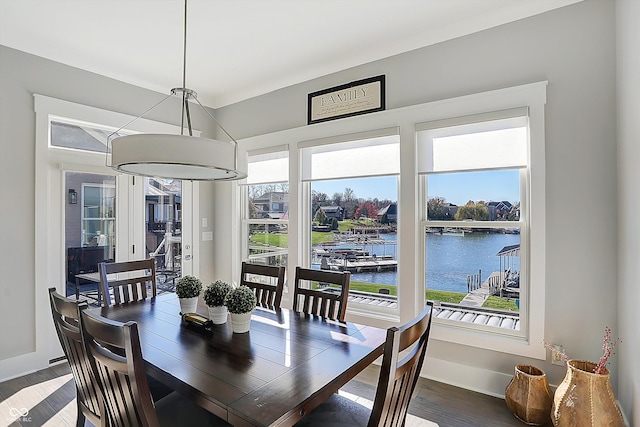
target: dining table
286 365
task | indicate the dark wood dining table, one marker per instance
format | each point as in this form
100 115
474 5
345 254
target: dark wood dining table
286 365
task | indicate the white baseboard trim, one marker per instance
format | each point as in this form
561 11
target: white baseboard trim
468 377
18 366
475 379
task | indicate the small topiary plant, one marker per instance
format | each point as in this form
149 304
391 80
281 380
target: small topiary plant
215 294
240 300
188 287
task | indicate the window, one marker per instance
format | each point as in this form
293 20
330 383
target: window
475 218
266 207
163 225
352 213
66 133
98 215
428 152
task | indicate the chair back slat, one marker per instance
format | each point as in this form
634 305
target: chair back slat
116 360
66 313
140 275
266 281
330 303
399 375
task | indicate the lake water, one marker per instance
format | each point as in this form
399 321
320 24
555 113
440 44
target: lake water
450 258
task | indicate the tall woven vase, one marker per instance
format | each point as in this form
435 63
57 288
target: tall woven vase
528 395
585 399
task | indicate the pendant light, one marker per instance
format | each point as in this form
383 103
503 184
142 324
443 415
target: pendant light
176 156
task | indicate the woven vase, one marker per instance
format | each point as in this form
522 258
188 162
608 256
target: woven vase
585 399
528 395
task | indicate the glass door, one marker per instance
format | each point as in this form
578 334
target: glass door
88 214
90 232
163 229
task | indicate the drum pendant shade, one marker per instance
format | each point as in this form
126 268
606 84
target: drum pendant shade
175 156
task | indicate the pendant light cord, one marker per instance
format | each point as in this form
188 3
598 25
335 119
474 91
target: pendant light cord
185 97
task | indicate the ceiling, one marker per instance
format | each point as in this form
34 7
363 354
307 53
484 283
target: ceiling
238 49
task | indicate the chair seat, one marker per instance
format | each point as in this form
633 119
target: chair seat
337 411
174 410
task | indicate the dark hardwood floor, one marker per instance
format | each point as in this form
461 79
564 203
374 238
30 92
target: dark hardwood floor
50 396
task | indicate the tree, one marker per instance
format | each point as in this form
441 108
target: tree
366 209
337 199
474 211
514 213
437 209
348 194
334 223
349 203
318 199
320 217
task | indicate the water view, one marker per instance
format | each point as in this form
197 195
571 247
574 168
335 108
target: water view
451 257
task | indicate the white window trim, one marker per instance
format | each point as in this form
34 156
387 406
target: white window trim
243 191
411 242
51 162
383 136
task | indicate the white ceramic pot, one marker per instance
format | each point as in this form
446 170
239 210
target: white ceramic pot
188 305
240 322
218 315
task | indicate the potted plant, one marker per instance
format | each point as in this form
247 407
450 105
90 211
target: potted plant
240 302
188 290
214 296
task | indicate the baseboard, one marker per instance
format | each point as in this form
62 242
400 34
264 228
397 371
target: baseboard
468 377
475 379
18 366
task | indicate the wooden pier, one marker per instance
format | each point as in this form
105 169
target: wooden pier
478 296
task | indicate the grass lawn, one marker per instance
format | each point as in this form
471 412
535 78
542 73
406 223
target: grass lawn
443 296
434 295
271 239
501 303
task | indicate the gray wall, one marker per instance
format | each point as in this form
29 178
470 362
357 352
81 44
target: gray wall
574 49
628 61
21 76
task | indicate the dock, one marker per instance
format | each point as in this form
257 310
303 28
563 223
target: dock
478 296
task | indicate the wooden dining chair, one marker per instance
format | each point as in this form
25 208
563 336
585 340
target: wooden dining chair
65 314
328 301
398 376
266 281
134 280
117 363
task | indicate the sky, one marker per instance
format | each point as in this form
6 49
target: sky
457 188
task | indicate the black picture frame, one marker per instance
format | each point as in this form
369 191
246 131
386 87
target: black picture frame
354 102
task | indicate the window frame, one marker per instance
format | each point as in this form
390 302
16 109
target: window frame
52 162
410 272
470 125
527 341
340 143
247 222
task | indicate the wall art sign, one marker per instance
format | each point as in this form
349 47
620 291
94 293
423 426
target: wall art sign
351 99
